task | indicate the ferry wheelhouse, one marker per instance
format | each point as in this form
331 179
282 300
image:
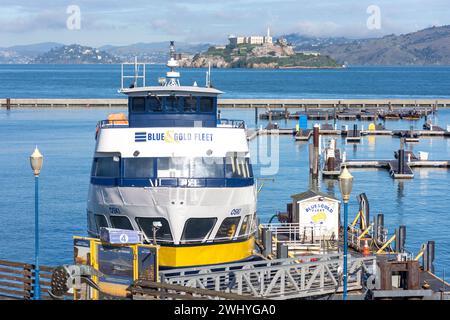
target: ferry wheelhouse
177 172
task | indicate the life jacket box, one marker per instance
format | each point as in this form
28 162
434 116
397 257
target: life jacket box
120 236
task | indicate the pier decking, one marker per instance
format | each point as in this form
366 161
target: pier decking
245 103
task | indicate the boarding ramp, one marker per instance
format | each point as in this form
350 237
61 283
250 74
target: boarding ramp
308 276
300 238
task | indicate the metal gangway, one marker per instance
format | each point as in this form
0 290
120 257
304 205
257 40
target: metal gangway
279 279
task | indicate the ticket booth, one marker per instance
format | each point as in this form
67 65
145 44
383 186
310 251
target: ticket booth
317 215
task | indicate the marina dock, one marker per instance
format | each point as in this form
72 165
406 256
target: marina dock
305 135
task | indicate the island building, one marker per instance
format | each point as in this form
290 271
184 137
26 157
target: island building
234 41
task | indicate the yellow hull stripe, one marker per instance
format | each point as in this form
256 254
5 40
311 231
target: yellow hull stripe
205 254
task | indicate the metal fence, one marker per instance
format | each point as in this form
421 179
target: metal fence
276 279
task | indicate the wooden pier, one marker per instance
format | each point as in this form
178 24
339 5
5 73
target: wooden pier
17 281
244 103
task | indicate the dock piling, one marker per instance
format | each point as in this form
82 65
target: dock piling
379 228
428 257
400 239
282 250
8 104
266 239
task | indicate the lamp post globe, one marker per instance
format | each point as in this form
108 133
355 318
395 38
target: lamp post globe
36 160
345 184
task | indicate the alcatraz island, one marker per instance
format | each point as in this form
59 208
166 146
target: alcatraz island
257 52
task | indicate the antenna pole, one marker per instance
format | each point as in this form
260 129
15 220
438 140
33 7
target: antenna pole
135 71
208 75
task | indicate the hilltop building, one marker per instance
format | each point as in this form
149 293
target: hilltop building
234 41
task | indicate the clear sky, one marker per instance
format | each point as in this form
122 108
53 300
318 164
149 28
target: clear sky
124 22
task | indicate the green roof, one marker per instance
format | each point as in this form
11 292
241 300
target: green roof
311 194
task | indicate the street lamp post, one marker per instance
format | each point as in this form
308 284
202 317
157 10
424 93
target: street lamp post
36 160
345 184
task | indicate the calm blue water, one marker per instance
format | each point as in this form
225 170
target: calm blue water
66 137
102 81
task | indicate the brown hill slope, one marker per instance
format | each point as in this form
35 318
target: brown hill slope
425 47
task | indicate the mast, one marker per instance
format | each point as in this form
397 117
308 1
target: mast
172 75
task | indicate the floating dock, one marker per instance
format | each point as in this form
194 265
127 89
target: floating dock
399 169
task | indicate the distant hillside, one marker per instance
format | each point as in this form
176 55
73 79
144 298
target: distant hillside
426 47
154 52
75 54
309 43
25 53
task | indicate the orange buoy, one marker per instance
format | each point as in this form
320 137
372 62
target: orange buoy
366 250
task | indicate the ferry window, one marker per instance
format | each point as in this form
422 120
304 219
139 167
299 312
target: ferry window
238 167
138 167
172 104
120 222
100 221
196 229
245 225
138 104
180 167
154 104
207 168
190 104
206 105
228 228
106 167
162 234
176 167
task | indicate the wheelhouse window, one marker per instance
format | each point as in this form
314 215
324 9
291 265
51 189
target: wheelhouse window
206 168
154 104
206 105
228 228
238 167
138 104
176 167
190 104
245 226
138 167
106 167
197 229
100 221
172 104
163 233
121 222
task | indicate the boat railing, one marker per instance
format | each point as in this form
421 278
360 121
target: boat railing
231 123
296 233
133 71
113 124
202 240
222 123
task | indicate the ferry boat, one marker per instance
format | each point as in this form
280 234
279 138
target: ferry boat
176 172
